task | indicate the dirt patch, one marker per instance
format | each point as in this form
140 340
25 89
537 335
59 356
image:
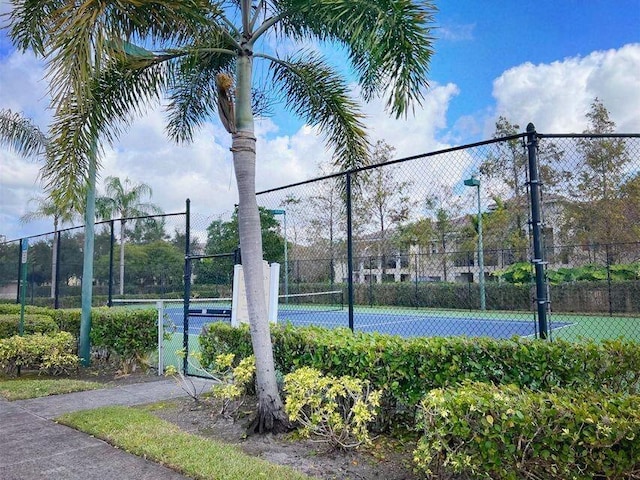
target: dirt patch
387 459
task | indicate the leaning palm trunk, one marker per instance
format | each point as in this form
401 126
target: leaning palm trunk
271 415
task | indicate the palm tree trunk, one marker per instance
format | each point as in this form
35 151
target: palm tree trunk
84 348
121 258
271 415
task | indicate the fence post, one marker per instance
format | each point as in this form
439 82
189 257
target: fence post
536 223
609 290
111 242
187 288
19 277
349 252
56 280
415 261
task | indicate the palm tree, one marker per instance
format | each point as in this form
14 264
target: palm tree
124 200
46 208
22 135
202 53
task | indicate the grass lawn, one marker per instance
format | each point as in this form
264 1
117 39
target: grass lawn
141 433
23 388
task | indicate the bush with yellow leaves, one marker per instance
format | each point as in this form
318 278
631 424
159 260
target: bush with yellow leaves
335 410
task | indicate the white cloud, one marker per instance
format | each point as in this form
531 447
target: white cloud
456 32
419 132
556 96
23 87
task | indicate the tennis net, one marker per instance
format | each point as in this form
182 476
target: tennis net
303 303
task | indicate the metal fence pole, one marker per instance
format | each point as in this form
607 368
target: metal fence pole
415 262
111 242
609 290
56 280
536 223
187 288
18 286
349 252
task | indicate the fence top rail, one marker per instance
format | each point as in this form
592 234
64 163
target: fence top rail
588 135
102 222
399 160
450 150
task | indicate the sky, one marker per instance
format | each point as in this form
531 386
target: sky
542 62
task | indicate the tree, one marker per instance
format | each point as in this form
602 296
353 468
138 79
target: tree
630 191
9 258
224 237
596 211
46 208
125 201
383 198
443 205
148 230
327 212
204 58
507 162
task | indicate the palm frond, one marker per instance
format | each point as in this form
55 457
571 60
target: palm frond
318 94
75 36
389 41
29 21
21 134
118 94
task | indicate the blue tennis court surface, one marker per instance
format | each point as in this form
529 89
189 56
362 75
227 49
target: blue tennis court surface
404 323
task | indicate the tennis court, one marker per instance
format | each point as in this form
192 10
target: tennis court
327 309
388 320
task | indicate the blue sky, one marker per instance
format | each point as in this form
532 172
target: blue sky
541 61
479 40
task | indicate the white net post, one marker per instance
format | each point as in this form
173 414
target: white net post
274 287
239 310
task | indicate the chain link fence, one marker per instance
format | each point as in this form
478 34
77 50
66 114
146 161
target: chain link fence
152 263
435 244
442 243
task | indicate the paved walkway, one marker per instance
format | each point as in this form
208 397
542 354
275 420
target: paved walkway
32 446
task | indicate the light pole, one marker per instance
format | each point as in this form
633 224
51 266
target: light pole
474 182
286 259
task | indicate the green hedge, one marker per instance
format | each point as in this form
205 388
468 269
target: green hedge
130 333
407 368
48 353
502 432
8 308
33 323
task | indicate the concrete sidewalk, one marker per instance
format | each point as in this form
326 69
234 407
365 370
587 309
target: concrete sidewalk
34 447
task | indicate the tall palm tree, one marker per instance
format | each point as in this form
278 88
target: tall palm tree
124 200
28 140
202 53
73 37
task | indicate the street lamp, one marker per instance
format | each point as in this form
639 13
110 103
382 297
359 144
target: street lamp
286 259
474 182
